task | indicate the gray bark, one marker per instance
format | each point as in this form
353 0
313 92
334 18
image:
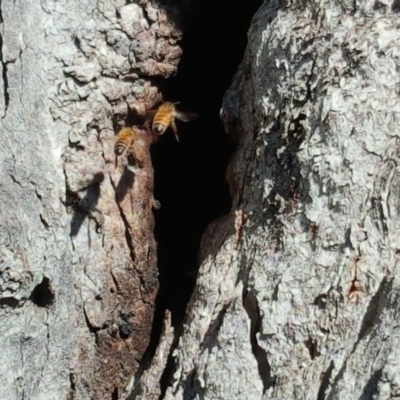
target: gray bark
297 295
297 291
77 289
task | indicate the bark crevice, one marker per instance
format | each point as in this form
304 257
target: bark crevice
3 63
250 304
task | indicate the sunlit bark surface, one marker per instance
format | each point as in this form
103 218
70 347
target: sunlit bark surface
297 291
78 275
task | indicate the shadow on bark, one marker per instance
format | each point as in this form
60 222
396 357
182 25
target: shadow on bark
125 184
371 388
326 377
84 204
264 370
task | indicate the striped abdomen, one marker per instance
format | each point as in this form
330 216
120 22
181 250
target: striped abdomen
162 119
124 140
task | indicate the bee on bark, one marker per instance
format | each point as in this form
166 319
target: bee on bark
124 141
123 148
164 117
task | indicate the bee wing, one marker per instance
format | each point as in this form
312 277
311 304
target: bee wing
186 116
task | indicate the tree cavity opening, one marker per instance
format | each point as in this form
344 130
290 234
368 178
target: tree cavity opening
190 175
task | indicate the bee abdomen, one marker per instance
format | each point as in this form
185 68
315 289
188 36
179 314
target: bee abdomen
120 147
161 122
158 128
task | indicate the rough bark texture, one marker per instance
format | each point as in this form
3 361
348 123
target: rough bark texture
297 291
77 290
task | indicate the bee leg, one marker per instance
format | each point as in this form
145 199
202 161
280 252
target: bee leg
173 126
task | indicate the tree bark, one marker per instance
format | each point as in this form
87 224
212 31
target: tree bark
77 290
297 290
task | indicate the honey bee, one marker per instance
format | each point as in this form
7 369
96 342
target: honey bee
124 141
164 117
123 148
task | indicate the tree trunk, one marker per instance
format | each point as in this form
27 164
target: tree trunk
77 291
297 291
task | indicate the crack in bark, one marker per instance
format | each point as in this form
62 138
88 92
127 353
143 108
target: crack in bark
214 328
312 347
44 222
91 328
250 304
325 381
370 319
14 179
374 310
170 366
72 386
128 237
209 338
4 64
